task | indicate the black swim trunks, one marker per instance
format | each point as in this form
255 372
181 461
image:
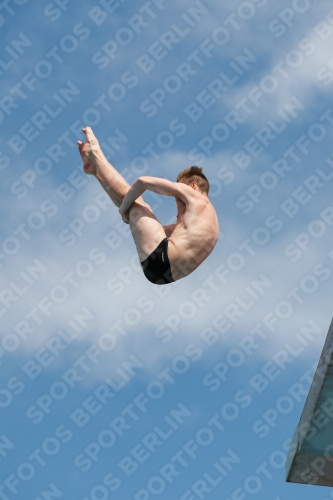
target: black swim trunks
156 267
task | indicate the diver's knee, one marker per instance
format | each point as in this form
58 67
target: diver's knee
140 209
145 205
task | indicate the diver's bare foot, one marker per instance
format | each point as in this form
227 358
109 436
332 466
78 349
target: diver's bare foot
88 165
88 151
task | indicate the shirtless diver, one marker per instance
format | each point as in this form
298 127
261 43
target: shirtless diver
166 253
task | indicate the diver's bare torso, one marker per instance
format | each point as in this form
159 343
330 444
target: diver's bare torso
194 237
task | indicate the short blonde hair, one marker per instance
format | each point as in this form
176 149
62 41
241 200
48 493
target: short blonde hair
194 174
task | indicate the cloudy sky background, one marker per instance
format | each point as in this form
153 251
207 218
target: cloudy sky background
159 328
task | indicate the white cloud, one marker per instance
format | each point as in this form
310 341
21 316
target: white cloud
107 307
180 305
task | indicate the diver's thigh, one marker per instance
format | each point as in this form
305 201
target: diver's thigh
146 229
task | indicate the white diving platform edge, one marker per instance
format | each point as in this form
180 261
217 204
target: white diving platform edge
310 457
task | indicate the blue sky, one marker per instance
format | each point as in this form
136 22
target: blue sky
113 387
